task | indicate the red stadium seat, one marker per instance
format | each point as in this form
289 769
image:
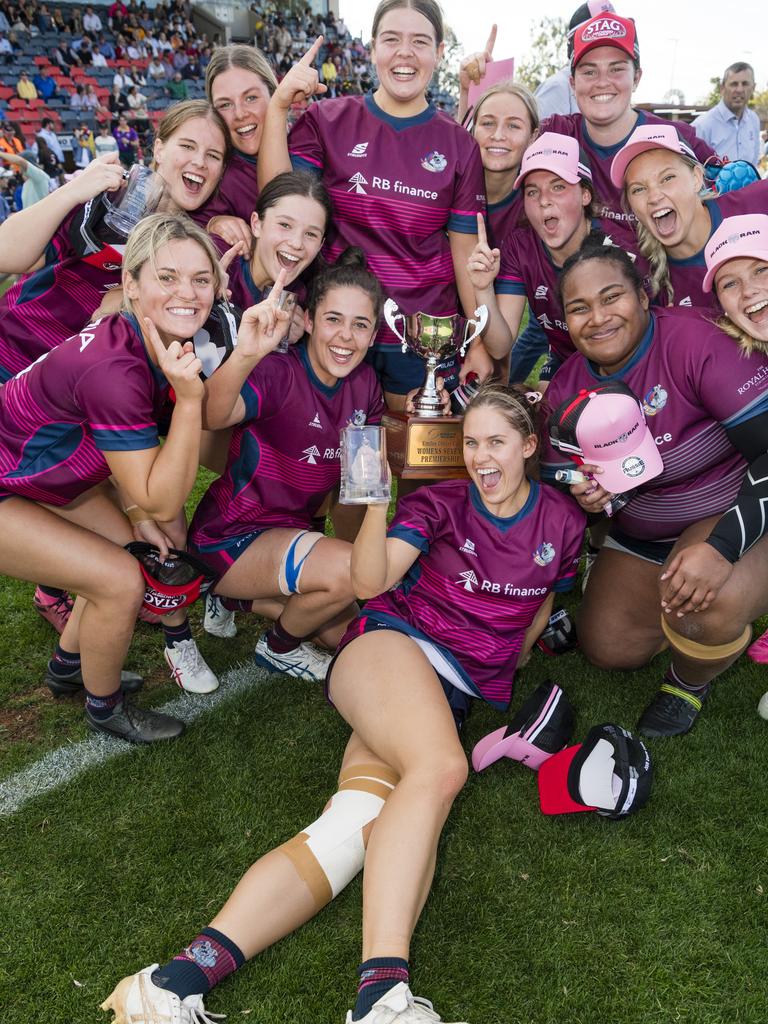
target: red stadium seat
17 103
40 60
6 93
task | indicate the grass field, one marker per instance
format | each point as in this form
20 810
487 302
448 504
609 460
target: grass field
575 920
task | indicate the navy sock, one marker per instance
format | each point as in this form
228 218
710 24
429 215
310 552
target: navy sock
280 640
52 592
206 961
236 604
175 634
377 976
101 708
64 663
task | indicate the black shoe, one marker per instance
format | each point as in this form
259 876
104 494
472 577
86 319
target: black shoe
70 686
136 725
672 712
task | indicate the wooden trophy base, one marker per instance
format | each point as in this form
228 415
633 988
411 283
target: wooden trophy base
424 447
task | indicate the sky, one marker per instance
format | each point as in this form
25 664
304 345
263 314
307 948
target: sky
683 43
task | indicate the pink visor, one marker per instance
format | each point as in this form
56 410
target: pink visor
647 136
556 153
746 235
612 433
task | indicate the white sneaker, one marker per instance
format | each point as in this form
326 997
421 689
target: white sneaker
400 1006
188 668
219 621
305 662
136 1000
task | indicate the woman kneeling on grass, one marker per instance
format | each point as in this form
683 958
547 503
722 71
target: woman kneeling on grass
255 523
472 564
87 410
686 561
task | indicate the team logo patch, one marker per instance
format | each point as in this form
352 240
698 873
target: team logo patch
316 422
632 466
545 322
544 553
310 455
655 400
468 580
357 181
357 419
468 548
541 291
605 28
434 162
359 150
202 953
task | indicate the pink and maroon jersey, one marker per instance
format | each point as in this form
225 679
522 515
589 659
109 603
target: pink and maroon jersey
96 392
479 580
502 218
687 276
616 221
236 193
527 269
44 308
693 382
397 184
285 457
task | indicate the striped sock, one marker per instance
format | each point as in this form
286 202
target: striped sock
64 663
174 634
101 708
671 676
207 960
236 604
377 976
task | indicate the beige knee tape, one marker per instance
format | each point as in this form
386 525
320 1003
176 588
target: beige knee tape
704 652
330 852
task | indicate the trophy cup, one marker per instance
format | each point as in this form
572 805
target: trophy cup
364 473
145 192
428 445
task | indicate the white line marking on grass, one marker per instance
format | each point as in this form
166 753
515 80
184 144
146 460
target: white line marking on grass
63 765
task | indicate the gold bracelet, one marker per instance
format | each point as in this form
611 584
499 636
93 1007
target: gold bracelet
136 515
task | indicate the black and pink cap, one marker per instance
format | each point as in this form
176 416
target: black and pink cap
541 727
173 582
585 13
606 426
610 773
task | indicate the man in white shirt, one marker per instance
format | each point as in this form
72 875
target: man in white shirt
730 127
51 138
91 21
98 60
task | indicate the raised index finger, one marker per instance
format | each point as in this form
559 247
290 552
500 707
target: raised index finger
312 52
482 237
154 339
277 287
491 41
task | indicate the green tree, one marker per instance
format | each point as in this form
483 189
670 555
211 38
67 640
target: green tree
549 51
713 97
446 76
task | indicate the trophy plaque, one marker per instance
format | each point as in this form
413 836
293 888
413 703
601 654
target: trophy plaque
428 445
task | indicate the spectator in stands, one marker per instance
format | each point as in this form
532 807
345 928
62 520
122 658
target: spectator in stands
164 43
37 184
44 19
85 149
104 142
59 25
127 141
193 70
51 139
329 74
137 75
5 25
122 80
10 140
177 88
118 105
75 22
91 21
137 103
77 98
116 15
106 48
45 85
91 102
46 159
156 71
98 60
6 50
180 60
25 87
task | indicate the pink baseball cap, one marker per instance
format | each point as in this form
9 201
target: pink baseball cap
557 153
606 427
746 235
647 136
605 30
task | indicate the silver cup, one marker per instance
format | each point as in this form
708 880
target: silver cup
365 478
434 338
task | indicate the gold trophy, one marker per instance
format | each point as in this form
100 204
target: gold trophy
428 445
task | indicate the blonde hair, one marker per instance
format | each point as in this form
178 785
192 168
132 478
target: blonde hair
525 96
239 55
744 340
517 403
157 230
177 116
652 249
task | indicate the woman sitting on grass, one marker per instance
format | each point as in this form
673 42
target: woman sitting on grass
442 624
255 523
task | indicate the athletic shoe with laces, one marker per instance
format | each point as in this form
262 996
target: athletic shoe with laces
304 662
136 725
71 685
672 712
219 621
400 1006
188 668
55 610
758 651
137 1000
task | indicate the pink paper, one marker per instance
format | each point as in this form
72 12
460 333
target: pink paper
496 71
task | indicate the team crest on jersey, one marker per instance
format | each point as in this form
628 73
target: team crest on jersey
544 553
359 150
468 580
541 291
434 162
468 548
310 455
357 419
655 400
357 181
